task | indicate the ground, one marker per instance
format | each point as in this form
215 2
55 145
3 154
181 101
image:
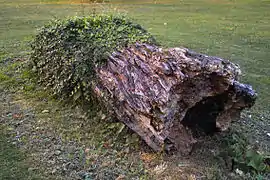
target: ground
41 138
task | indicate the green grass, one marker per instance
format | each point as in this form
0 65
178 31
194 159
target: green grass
238 30
12 160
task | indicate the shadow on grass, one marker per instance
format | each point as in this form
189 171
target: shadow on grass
12 160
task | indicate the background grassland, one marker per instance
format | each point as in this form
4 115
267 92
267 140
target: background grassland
237 30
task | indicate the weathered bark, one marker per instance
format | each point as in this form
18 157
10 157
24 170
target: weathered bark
170 96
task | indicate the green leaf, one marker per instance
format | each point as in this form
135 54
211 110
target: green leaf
255 160
77 95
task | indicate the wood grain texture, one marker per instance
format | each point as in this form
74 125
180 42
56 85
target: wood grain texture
168 95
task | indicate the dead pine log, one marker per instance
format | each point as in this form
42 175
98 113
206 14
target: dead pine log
170 96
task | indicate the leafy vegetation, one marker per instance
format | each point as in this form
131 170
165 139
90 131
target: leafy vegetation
65 52
244 155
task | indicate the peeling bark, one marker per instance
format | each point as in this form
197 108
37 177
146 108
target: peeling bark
171 96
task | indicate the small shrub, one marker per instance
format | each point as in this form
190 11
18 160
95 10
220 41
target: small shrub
245 156
66 52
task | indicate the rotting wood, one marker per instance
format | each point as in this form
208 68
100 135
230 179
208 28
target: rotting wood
171 96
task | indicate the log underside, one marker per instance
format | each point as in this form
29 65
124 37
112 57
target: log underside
172 96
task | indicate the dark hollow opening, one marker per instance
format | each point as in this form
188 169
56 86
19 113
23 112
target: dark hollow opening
201 118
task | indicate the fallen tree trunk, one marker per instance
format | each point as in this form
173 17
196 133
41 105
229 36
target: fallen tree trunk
171 96
168 96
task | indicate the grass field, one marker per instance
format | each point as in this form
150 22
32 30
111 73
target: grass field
238 30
